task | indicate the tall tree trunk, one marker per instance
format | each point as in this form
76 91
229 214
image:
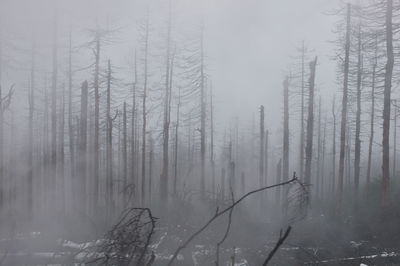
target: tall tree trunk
285 157
212 144
343 124
167 114
176 144
262 146
333 149
144 111
318 176
70 115
53 174
202 119
134 135
124 155
278 180
109 147
266 158
394 139
61 160
357 147
96 147
81 200
301 162
310 122
31 116
371 134
386 101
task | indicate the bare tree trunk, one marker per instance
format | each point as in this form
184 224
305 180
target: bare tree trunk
333 149
31 116
144 112
165 168
134 135
344 108
285 161
124 155
82 162
386 102
212 144
302 113
278 180
371 135
202 119
109 147
318 176
266 158
61 160
176 144
323 162
394 139
261 159
357 147
70 116
96 148
310 122
53 174
151 159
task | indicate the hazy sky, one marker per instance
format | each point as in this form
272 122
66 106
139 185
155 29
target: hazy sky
249 44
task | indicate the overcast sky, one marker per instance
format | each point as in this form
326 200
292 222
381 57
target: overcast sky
249 44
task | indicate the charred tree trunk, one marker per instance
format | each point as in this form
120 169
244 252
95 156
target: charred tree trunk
285 161
96 147
261 159
167 114
357 147
343 124
301 162
202 120
333 149
371 134
31 116
310 122
70 115
82 162
144 112
53 175
124 155
386 101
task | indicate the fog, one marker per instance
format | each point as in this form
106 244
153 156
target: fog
214 132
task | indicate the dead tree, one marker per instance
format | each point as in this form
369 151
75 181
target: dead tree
61 151
333 184
53 173
318 176
310 122
266 157
285 157
357 147
167 114
386 101
202 118
124 154
80 185
144 108
394 139
30 139
343 123
70 111
261 159
372 120
176 144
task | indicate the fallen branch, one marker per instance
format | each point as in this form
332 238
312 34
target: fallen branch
278 244
220 213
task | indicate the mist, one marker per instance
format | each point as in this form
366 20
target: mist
187 132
